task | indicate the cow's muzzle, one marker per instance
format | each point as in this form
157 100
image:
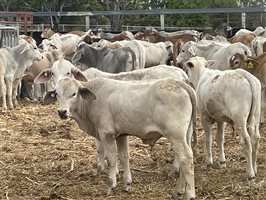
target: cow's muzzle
62 114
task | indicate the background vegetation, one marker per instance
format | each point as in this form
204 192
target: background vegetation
116 22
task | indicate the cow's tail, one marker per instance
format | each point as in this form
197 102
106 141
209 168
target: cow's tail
192 131
134 57
256 96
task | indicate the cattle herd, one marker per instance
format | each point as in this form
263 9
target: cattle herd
151 84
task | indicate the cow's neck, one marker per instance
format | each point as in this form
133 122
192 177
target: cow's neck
202 74
81 114
22 60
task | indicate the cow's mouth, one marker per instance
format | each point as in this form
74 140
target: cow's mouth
63 116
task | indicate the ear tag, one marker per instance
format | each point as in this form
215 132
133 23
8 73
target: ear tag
45 74
53 95
250 65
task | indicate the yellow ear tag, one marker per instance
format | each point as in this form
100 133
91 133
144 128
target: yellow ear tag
250 65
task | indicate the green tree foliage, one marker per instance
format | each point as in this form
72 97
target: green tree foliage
181 20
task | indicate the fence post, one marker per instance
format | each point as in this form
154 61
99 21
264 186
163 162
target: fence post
87 19
243 20
162 21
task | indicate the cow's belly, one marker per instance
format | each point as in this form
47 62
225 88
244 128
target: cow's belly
149 134
218 111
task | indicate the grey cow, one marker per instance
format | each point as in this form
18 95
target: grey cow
105 59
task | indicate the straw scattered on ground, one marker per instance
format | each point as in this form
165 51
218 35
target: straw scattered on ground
43 157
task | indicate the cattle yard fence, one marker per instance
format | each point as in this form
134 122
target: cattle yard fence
9 35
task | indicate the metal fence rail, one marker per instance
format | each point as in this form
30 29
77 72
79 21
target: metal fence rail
8 36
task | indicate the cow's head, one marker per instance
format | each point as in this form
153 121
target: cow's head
194 66
30 52
242 61
79 51
69 93
47 32
61 68
186 52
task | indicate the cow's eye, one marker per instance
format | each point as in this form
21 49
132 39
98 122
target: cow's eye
35 48
74 94
183 50
68 73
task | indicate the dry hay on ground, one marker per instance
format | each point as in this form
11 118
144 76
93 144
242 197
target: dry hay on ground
43 157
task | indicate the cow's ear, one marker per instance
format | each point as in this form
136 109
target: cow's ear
50 97
191 50
78 75
189 64
25 48
53 46
44 76
76 57
211 62
86 93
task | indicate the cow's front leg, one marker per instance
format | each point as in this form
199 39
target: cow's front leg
109 145
220 142
207 126
101 154
3 92
9 83
14 92
122 147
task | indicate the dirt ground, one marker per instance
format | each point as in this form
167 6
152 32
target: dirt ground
43 157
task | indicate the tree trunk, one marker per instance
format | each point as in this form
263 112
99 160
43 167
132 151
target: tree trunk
116 22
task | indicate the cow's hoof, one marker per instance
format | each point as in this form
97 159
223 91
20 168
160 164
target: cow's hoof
99 171
176 196
209 165
222 164
174 173
127 187
109 191
251 177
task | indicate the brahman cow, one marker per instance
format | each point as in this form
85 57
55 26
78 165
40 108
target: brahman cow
14 62
211 50
63 68
157 53
65 44
32 71
105 59
231 96
258 45
109 110
257 67
135 45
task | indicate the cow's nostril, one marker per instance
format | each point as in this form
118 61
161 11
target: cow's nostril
62 114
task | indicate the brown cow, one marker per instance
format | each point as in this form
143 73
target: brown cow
178 40
48 32
245 39
257 67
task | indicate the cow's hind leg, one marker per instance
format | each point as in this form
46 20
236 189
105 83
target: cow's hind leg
122 148
187 183
220 142
254 133
241 130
